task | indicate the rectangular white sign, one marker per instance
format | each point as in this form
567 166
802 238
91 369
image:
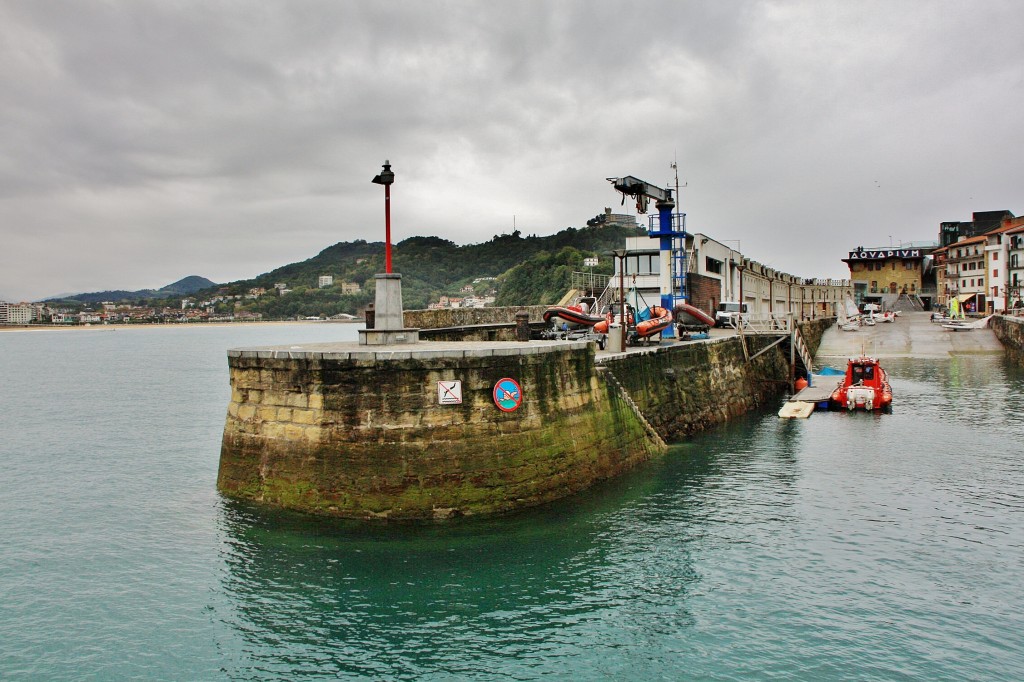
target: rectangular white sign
449 392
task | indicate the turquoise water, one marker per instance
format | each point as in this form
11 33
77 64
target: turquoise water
844 547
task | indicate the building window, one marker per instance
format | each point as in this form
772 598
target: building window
643 264
713 265
995 273
909 265
995 255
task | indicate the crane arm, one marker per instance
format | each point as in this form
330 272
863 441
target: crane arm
642 191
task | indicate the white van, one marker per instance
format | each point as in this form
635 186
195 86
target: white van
727 312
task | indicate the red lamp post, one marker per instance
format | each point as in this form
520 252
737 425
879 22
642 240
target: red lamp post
385 178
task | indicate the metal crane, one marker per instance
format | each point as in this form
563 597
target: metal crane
671 231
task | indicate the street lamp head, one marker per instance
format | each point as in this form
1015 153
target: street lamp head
387 176
619 253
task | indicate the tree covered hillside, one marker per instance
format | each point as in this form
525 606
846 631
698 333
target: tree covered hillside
432 267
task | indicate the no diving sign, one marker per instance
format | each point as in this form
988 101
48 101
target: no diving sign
449 392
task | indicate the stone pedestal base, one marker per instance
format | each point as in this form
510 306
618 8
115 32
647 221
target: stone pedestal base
388 325
387 337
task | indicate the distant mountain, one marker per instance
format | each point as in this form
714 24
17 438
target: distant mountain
183 287
187 285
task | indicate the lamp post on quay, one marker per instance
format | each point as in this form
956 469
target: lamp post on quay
621 255
386 177
389 316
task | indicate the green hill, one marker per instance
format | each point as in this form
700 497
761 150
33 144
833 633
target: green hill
432 267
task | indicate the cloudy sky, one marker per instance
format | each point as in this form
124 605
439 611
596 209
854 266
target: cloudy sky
143 141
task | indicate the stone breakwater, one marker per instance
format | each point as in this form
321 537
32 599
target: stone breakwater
343 430
684 389
365 433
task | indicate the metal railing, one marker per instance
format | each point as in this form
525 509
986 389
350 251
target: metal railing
761 324
589 282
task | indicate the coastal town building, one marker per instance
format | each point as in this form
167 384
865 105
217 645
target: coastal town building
943 285
15 313
1015 268
979 269
997 256
965 272
608 218
982 222
324 281
883 274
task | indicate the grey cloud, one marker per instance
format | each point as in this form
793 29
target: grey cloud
248 133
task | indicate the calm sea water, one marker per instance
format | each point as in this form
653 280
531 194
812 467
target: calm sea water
844 547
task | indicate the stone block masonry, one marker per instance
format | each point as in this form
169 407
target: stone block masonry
1010 332
363 434
688 388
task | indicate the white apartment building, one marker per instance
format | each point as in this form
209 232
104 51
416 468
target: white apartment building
15 313
966 271
1015 267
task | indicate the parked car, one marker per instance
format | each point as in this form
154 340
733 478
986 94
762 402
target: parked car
728 313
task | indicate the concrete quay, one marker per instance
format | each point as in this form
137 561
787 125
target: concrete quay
912 335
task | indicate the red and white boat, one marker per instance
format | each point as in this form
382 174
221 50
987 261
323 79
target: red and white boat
864 387
573 316
659 320
691 318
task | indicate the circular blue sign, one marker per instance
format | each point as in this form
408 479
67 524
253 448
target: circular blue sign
508 396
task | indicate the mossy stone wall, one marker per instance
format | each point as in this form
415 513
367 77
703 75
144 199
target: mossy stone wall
368 438
684 389
1010 332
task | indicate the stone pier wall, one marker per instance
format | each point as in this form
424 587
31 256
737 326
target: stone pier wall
813 330
684 389
363 434
1010 332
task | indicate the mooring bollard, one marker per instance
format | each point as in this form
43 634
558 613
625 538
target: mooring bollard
522 326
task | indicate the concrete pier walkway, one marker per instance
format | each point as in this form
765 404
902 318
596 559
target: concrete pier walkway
913 334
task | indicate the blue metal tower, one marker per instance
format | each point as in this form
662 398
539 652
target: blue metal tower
670 231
